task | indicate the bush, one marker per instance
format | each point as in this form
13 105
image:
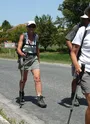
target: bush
6 50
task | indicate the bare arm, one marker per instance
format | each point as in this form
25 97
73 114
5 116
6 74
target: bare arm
74 51
20 43
69 44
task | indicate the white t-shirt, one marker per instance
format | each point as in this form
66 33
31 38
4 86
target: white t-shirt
85 50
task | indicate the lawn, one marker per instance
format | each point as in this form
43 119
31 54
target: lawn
55 57
50 56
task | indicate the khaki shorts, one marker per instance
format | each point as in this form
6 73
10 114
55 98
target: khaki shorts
85 83
29 66
35 65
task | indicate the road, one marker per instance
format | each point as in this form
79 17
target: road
56 80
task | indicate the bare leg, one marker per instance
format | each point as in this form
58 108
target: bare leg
22 82
74 85
38 84
38 88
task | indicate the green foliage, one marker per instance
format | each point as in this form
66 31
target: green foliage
45 29
14 34
3 36
6 25
55 57
61 22
11 34
10 120
6 50
60 38
73 9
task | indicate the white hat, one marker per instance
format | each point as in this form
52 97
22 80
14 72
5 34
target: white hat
84 16
30 23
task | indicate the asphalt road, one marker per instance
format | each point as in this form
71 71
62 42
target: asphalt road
56 80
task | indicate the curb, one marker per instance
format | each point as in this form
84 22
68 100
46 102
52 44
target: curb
14 112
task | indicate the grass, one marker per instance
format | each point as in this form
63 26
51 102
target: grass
10 120
55 57
49 56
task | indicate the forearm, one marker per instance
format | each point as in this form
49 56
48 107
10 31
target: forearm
75 62
19 51
74 59
69 44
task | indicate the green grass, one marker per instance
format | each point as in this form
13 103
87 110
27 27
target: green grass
55 57
10 120
50 56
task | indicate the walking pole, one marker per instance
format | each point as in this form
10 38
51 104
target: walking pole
78 80
22 75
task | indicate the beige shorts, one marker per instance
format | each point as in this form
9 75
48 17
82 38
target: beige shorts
30 66
35 65
85 82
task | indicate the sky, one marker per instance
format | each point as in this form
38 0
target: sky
21 11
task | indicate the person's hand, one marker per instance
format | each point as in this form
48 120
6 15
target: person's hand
78 70
23 54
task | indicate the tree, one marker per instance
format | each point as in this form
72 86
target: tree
59 38
73 9
14 33
61 22
45 29
6 25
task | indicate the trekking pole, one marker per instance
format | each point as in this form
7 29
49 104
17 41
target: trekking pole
78 80
22 75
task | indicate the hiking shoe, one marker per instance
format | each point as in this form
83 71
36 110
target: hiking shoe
41 102
21 96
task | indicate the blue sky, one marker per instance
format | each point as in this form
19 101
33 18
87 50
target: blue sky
21 11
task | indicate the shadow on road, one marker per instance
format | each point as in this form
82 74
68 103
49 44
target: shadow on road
66 102
32 99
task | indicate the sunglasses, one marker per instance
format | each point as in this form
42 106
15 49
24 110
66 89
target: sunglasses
32 26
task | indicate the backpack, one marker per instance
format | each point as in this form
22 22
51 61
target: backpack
24 42
70 36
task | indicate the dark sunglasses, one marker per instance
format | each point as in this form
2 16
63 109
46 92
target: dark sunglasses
32 26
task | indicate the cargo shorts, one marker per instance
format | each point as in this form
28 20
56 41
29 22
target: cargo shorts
85 83
29 66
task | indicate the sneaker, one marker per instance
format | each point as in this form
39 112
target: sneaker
76 103
21 95
41 102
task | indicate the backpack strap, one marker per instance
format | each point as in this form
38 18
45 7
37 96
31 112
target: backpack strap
35 38
79 52
83 37
25 38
